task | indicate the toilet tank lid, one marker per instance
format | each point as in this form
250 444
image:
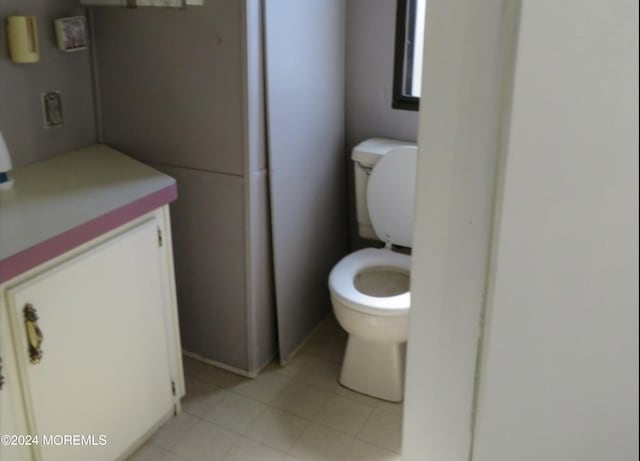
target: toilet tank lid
368 152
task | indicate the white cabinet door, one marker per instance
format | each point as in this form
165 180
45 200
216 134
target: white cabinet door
13 446
104 372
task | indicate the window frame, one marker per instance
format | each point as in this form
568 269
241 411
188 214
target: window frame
405 27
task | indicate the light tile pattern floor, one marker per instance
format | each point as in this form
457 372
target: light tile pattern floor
293 413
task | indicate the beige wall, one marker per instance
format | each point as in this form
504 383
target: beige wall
21 85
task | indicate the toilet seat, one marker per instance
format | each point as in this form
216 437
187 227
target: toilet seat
341 282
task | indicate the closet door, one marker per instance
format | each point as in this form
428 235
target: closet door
305 58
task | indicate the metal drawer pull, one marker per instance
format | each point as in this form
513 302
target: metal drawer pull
34 335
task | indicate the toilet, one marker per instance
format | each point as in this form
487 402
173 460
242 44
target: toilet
369 288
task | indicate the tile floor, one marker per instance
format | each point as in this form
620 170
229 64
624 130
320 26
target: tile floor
295 413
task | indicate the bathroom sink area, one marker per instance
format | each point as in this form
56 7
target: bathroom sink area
60 203
85 240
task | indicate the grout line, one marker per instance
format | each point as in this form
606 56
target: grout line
375 404
348 450
309 421
306 363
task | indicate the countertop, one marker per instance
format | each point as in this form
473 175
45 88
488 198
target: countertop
60 203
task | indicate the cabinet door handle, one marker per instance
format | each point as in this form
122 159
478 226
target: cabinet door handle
1 377
34 335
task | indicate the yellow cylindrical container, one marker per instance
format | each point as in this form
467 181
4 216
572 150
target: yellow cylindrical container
22 36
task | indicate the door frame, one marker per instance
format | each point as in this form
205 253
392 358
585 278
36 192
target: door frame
467 83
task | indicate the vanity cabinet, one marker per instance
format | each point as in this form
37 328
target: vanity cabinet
12 417
89 343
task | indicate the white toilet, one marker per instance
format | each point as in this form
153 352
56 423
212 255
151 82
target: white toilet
370 288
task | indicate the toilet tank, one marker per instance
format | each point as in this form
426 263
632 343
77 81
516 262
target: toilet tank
364 156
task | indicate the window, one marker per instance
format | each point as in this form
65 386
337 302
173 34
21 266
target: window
407 74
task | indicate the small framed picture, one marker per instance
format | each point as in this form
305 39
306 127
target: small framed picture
71 33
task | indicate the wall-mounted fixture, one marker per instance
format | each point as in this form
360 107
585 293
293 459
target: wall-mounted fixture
52 109
22 38
71 33
143 3
5 165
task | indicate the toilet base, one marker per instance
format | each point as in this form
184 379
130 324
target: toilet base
375 369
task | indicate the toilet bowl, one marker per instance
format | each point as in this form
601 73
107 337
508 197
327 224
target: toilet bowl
369 284
370 297
369 288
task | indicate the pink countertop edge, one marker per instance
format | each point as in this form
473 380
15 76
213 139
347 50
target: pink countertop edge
42 252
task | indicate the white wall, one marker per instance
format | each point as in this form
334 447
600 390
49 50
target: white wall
559 365
559 375
459 129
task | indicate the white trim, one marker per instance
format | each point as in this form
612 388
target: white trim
510 46
459 139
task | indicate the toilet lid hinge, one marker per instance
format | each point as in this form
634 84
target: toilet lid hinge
387 242
365 169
